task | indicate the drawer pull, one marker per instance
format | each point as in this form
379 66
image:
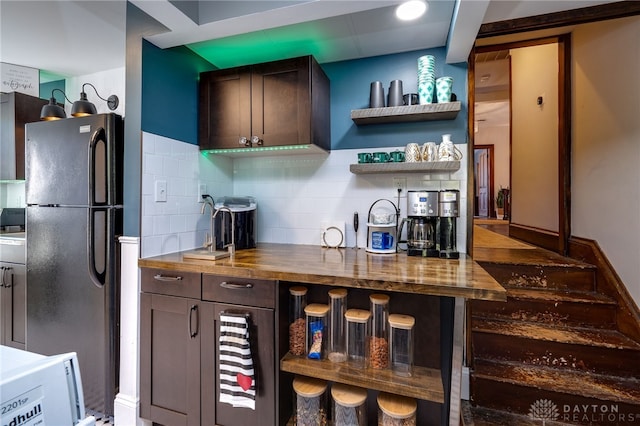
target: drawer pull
235 286
160 277
194 308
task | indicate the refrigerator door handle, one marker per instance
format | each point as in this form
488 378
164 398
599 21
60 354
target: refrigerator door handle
99 135
98 278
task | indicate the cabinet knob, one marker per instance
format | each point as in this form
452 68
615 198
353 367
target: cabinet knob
255 140
243 141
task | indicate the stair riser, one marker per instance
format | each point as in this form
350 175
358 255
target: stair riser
548 312
619 362
542 277
572 409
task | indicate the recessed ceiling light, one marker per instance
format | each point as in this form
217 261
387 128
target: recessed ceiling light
412 9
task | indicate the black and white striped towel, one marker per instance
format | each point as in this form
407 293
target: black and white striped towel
237 382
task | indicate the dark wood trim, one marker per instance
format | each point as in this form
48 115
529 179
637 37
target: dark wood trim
491 149
539 237
471 182
609 283
564 143
560 19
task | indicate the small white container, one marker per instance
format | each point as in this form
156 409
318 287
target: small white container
349 405
396 410
401 344
311 401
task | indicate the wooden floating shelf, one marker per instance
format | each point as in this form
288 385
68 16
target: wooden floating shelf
406 113
421 167
426 383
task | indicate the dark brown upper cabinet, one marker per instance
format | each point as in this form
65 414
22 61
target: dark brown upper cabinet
268 105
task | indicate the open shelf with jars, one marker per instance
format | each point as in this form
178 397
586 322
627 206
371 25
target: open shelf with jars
425 383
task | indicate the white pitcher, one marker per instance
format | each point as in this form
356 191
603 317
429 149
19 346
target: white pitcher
447 151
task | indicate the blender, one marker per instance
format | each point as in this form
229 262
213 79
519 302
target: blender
422 219
448 211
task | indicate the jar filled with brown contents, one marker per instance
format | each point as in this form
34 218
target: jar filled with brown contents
297 320
379 338
311 401
396 410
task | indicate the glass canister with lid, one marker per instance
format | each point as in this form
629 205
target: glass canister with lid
401 344
349 405
357 336
396 410
379 336
337 350
297 320
311 401
317 327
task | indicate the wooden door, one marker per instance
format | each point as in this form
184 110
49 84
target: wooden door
281 103
170 359
225 108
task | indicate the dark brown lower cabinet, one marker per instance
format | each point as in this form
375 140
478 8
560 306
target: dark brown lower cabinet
261 335
13 304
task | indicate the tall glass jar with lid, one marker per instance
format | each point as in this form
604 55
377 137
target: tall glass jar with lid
357 336
297 320
379 335
337 351
311 401
317 328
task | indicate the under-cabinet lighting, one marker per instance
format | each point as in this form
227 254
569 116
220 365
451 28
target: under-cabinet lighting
264 148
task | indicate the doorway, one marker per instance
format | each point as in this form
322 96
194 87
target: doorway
537 148
484 177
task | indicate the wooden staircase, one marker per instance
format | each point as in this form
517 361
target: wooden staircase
553 353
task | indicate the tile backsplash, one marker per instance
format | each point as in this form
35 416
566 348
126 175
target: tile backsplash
294 193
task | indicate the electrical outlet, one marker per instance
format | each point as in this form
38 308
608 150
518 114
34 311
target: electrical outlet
161 191
202 189
400 183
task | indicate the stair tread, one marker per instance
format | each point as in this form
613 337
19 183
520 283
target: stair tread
552 332
603 387
555 295
535 257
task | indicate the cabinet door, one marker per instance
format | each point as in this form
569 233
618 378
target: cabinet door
13 304
170 359
225 108
262 344
281 106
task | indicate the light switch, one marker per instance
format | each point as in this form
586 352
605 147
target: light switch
161 191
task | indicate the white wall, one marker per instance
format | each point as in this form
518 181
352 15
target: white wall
498 136
294 194
109 82
606 143
534 143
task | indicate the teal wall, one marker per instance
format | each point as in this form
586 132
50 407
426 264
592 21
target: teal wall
170 97
47 88
350 83
170 91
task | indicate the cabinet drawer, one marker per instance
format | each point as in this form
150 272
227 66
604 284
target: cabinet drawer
171 283
239 291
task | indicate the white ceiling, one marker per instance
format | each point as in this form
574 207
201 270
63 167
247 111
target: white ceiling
72 38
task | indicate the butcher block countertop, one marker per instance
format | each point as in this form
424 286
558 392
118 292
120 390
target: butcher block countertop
346 267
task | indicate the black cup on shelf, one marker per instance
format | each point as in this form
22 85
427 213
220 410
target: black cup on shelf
395 94
376 96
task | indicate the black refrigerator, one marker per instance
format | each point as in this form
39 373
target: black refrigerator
73 219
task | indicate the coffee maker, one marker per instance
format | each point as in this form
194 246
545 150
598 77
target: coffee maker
422 219
448 212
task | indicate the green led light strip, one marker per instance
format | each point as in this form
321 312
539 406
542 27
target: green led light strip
265 148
